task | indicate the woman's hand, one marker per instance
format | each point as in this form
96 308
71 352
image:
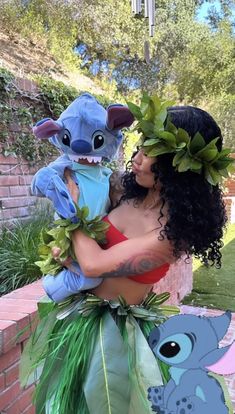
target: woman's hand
71 185
55 251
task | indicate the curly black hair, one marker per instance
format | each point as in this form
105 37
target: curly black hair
196 211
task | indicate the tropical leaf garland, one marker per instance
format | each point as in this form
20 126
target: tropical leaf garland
60 236
160 136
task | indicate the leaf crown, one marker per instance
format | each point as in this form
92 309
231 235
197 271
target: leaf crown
160 136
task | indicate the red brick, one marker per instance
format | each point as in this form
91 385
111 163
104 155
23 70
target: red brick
14 316
12 409
26 179
12 374
34 169
2 382
34 288
23 212
4 191
10 357
19 190
25 399
22 321
8 160
172 283
10 305
6 168
14 213
34 319
30 294
10 213
8 180
29 410
26 85
9 394
8 332
21 169
17 202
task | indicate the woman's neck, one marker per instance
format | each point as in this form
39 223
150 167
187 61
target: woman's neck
152 199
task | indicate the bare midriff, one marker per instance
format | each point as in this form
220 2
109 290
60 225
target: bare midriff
133 292
125 218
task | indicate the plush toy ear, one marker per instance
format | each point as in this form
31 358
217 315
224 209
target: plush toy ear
221 361
46 129
118 117
220 324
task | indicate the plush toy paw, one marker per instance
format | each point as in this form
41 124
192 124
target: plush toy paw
184 406
155 395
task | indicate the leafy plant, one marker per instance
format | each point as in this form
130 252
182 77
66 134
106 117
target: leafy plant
160 136
55 94
6 77
60 236
19 251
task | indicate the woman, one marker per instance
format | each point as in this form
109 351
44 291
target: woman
98 360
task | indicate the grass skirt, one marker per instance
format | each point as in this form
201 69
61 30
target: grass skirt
95 356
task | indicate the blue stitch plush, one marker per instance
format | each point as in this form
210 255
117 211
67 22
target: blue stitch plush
85 134
189 344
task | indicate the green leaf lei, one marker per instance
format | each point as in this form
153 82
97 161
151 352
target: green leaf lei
60 236
160 136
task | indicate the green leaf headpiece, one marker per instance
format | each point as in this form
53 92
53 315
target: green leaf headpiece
160 136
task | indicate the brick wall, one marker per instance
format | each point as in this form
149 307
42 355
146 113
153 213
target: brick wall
230 186
230 199
178 281
18 310
15 173
15 180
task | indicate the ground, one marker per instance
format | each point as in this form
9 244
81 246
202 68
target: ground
215 288
25 58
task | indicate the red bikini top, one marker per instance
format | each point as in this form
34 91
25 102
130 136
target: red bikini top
114 236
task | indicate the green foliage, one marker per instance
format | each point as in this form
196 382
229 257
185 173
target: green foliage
215 288
18 114
190 61
50 23
222 108
160 136
55 94
6 78
60 236
19 251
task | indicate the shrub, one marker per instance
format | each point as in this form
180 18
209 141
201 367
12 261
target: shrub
19 251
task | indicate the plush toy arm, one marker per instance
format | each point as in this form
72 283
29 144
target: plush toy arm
68 283
60 164
47 183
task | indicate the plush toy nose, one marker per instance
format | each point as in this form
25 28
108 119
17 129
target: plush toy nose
81 147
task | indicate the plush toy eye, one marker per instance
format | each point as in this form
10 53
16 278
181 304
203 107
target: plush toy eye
170 349
175 349
98 141
66 139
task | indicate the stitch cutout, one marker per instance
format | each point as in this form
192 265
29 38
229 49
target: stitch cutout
189 344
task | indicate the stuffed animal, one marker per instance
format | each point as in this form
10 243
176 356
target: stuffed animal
189 344
86 134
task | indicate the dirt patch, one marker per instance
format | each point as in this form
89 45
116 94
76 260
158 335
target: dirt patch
25 58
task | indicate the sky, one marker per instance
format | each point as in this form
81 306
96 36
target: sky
203 10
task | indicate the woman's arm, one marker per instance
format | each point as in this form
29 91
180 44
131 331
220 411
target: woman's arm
128 258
